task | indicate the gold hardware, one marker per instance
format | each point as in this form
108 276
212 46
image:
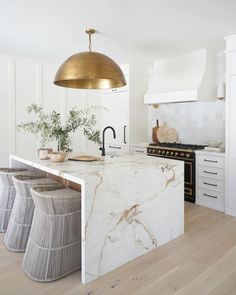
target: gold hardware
188 191
90 70
191 175
154 105
90 32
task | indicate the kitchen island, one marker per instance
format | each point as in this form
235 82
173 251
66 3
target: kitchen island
130 205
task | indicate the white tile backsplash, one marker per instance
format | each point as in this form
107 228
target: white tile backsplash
195 122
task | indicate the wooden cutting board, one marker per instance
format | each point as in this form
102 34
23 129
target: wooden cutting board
167 134
85 158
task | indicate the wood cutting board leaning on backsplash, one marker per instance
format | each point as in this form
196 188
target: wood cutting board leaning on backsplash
154 133
166 134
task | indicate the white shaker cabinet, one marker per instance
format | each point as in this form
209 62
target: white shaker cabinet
210 179
125 111
116 114
230 204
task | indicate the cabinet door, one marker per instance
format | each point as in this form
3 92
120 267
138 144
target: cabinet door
232 67
231 117
116 90
231 144
116 114
231 183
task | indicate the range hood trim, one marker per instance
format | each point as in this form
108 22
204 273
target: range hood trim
195 81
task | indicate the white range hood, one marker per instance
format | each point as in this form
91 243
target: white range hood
187 77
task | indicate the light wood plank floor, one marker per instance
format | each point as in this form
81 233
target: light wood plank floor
202 261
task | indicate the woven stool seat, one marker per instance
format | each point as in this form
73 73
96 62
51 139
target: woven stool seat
7 193
18 229
54 244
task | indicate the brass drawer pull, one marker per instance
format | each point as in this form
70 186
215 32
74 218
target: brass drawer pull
208 172
210 196
207 183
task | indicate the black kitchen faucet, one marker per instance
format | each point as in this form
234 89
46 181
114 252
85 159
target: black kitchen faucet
103 138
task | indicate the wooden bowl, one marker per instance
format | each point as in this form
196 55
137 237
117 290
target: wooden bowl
57 157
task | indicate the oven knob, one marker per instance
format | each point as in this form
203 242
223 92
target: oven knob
167 152
187 155
172 153
159 151
163 152
176 154
182 154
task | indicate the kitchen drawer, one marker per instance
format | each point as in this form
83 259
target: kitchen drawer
212 161
210 196
138 150
116 150
210 183
211 172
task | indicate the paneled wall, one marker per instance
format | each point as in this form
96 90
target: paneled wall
23 82
5 136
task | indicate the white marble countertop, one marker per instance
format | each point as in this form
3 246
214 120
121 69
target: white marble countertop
79 171
208 152
129 206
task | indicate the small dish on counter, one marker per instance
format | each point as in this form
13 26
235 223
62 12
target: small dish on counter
57 157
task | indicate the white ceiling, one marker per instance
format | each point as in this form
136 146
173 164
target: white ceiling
127 29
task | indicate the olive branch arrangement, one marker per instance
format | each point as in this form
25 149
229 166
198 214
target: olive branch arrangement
50 127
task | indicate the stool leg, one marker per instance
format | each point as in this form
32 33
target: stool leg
18 230
54 246
7 197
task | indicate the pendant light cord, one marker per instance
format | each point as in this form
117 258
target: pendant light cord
90 42
90 32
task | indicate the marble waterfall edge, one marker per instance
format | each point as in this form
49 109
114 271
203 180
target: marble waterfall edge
130 205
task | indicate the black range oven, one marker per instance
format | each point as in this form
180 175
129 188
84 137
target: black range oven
184 152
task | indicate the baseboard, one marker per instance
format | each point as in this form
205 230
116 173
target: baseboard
212 206
230 211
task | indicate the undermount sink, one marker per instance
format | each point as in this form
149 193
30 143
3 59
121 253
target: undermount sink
113 156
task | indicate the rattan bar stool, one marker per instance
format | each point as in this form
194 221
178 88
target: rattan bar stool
18 229
7 193
54 245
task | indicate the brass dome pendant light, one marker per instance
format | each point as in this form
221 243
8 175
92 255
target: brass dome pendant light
89 70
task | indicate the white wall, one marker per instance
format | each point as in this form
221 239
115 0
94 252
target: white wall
195 122
23 82
4 111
